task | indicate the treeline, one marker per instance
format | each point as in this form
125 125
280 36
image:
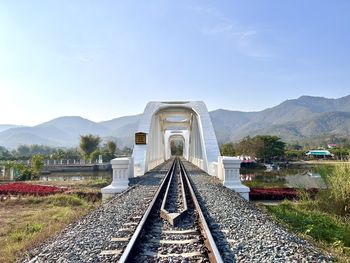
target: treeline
263 147
92 149
270 148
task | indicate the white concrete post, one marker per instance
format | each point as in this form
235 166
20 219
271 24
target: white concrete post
131 167
11 174
121 174
229 173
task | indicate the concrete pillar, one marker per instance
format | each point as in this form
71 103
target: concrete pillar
121 174
229 173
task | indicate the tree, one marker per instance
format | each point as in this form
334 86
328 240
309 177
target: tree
111 146
272 147
249 146
228 149
340 153
58 154
264 147
294 155
88 144
5 154
95 155
23 150
37 162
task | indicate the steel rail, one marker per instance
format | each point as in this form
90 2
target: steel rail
163 212
131 245
174 218
213 253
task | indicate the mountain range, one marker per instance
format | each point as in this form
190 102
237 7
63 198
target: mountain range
292 120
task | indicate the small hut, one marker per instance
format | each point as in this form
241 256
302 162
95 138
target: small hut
319 153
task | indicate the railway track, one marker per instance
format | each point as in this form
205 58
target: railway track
172 229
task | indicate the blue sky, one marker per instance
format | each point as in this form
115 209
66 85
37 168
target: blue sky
104 59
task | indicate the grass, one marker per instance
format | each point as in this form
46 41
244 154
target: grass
326 218
329 232
90 184
261 184
26 222
99 183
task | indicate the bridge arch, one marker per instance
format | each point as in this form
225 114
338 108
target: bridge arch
162 121
177 135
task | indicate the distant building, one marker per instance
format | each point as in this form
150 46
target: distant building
319 153
332 145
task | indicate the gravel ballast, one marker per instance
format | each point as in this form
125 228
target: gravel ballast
243 232
251 236
84 240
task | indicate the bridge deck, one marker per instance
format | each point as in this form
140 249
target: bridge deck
243 233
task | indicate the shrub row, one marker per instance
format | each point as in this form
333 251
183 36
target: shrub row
277 193
28 189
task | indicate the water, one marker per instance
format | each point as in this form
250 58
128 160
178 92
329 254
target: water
76 176
295 178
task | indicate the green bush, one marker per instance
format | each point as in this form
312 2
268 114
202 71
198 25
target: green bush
98 183
336 199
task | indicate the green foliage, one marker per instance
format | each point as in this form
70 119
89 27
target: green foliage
341 153
294 155
37 163
26 232
228 149
336 199
88 144
65 200
98 183
275 183
176 147
319 225
264 147
5 154
126 151
272 147
111 146
58 154
94 155
339 183
26 151
25 174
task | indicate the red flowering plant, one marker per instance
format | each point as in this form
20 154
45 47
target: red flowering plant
277 193
28 189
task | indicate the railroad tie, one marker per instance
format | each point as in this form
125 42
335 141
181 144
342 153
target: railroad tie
120 239
131 224
126 230
175 242
116 252
181 232
184 255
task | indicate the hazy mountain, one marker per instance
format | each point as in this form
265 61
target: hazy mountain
336 123
118 123
4 127
66 131
285 119
305 117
